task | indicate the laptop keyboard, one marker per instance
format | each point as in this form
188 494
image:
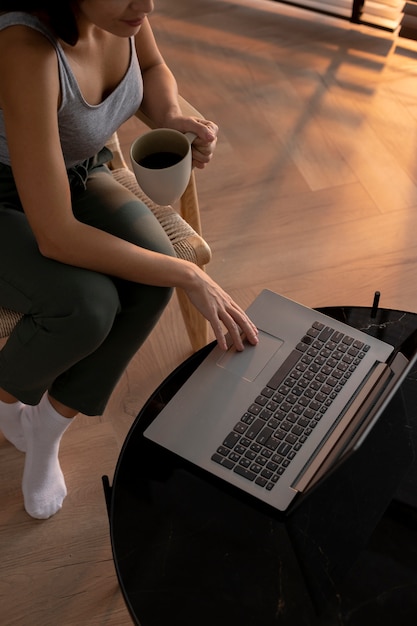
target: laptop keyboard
275 426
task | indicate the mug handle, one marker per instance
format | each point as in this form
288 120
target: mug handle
190 137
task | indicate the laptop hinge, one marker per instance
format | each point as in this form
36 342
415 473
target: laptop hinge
362 403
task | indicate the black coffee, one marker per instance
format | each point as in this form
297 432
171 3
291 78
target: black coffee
159 160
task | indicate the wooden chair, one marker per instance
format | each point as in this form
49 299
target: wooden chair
183 229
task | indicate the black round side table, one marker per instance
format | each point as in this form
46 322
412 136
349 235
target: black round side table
189 552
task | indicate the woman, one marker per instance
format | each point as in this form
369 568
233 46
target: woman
86 262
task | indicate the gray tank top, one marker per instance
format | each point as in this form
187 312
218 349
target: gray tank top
83 128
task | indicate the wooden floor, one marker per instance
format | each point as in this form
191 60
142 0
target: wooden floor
312 193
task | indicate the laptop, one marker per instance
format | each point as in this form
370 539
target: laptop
275 419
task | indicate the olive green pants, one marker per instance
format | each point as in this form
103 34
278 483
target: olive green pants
80 328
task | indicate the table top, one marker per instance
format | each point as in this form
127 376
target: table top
192 552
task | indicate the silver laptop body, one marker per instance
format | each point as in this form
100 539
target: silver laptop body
207 412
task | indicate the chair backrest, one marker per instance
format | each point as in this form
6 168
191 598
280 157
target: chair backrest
8 320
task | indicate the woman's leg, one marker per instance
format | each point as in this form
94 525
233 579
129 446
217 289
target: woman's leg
72 312
43 483
69 313
10 420
109 206
84 360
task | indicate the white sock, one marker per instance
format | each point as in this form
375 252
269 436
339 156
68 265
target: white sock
43 483
10 424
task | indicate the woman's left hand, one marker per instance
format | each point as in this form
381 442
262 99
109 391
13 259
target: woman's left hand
204 144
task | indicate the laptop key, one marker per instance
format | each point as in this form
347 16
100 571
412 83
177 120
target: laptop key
221 460
281 374
264 435
272 443
326 333
284 448
231 440
254 429
246 473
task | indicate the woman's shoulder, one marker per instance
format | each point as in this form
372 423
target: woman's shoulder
19 30
23 27
12 18
26 57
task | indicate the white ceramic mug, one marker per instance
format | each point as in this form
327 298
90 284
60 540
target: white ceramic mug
161 160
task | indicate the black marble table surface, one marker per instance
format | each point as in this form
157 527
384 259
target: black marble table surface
193 552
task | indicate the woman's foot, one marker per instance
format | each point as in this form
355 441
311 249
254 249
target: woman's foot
43 485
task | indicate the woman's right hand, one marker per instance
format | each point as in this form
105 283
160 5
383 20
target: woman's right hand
221 312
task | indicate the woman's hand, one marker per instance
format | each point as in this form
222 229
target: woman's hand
204 144
221 312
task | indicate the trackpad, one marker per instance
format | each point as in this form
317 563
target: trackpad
249 363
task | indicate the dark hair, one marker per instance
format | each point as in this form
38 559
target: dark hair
58 14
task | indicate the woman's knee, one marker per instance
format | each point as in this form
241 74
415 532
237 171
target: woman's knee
85 309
